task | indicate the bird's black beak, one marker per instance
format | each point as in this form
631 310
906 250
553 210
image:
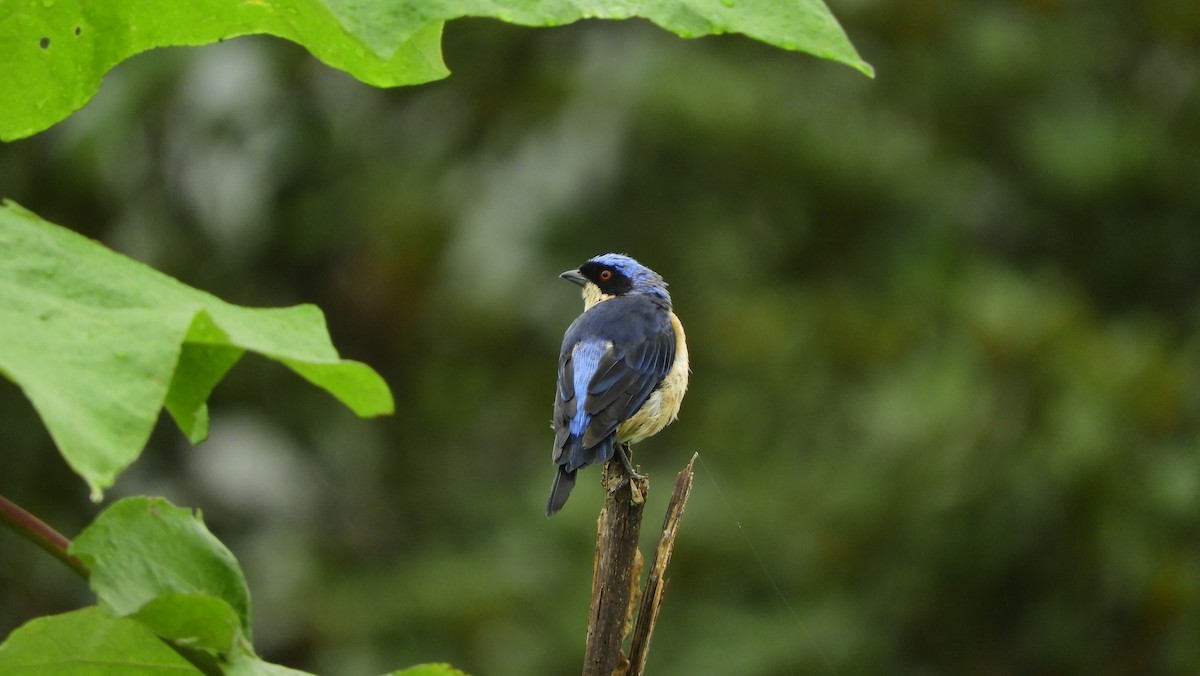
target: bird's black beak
575 277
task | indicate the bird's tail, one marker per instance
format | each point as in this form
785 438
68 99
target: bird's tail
564 481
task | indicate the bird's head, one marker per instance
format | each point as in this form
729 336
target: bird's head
612 275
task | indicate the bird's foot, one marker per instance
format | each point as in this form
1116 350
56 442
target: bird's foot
637 482
630 473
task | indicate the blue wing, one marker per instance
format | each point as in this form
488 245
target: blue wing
613 356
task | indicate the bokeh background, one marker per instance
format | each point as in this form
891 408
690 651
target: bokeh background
943 328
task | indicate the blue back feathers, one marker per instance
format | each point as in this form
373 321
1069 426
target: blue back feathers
613 357
586 355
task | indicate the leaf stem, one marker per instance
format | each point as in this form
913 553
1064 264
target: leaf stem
40 533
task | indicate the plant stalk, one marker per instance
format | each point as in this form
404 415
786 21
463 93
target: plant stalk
40 533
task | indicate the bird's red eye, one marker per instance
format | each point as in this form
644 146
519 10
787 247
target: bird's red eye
605 275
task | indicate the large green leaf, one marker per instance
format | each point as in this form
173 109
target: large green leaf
156 566
56 52
194 620
159 563
250 665
100 343
159 566
804 25
429 670
88 642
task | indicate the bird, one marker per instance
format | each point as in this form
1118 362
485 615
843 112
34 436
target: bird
622 370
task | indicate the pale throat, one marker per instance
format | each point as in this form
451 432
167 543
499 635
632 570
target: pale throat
593 295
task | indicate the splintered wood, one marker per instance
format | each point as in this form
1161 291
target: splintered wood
617 571
656 582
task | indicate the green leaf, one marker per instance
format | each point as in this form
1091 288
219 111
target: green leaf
196 621
250 665
804 25
429 670
56 52
88 642
101 343
147 559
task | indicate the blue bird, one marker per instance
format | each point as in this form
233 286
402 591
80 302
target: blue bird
622 371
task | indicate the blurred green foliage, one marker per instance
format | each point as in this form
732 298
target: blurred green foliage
943 327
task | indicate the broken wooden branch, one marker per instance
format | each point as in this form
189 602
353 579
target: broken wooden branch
656 580
617 570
